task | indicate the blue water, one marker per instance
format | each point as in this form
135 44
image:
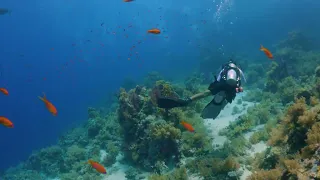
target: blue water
60 47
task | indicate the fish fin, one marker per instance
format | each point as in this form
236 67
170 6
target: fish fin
44 96
261 47
182 122
41 98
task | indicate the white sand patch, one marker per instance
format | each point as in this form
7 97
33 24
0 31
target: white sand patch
224 119
249 134
53 178
257 148
103 155
118 175
246 173
117 171
194 177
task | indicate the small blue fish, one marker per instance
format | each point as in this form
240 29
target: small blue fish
4 11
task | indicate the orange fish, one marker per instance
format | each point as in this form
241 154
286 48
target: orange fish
187 126
154 31
97 166
267 52
4 91
49 105
6 122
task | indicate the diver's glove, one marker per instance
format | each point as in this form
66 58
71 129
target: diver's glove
239 89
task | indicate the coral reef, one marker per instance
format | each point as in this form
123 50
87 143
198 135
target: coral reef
179 174
153 138
273 174
210 168
295 143
16 174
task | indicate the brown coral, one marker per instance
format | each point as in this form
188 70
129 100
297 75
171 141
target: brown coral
294 111
314 137
165 131
230 164
314 101
291 131
292 166
273 174
309 117
278 136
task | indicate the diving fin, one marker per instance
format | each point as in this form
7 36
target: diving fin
212 110
168 103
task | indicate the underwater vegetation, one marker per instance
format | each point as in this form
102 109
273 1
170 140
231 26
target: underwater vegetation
98 139
294 141
294 144
256 115
147 136
286 109
154 138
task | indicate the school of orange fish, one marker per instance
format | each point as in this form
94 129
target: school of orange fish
52 109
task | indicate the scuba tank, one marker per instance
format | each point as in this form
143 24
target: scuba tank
232 78
230 75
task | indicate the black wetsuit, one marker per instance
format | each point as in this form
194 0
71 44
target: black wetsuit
220 83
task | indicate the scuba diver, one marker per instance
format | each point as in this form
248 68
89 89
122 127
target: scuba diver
224 89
